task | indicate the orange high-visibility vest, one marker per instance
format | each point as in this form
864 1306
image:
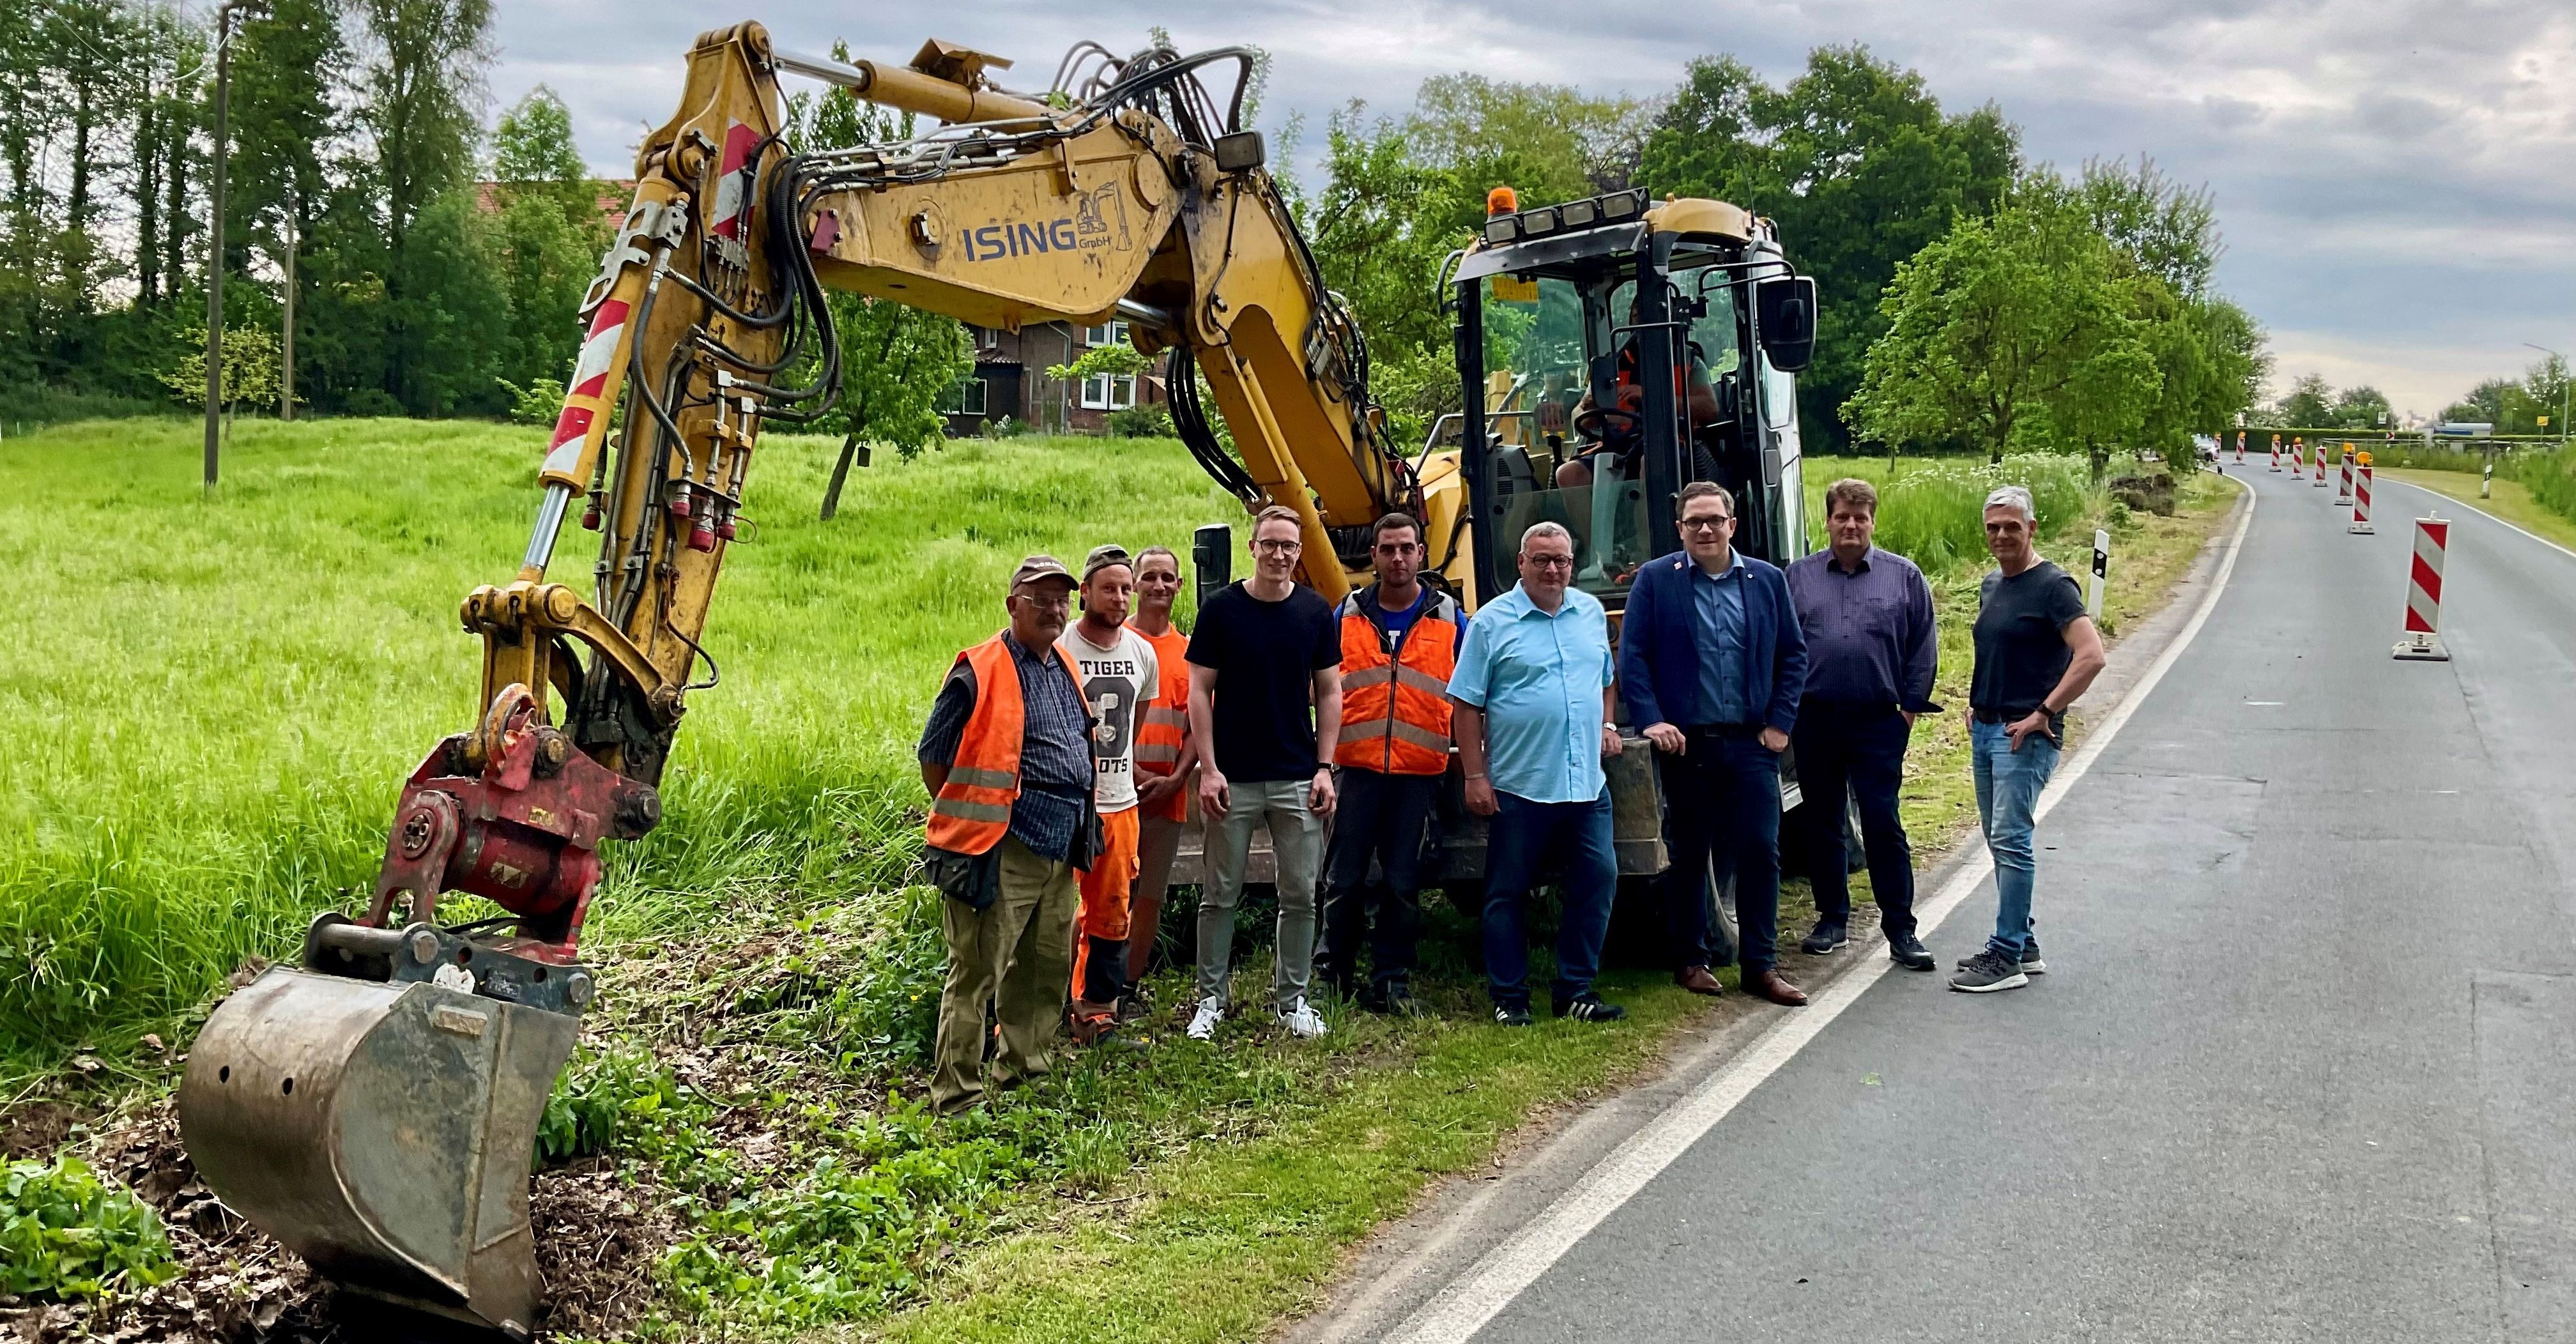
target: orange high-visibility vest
972 812
1166 723
1395 702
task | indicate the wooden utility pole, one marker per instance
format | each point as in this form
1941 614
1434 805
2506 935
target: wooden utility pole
286 329
255 9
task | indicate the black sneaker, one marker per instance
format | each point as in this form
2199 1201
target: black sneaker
1987 972
1906 950
1398 1001
1827 936
1511 1015
1588 1007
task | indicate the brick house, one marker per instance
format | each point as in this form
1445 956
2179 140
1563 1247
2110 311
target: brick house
1010 380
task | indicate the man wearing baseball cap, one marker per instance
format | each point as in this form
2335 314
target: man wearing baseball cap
1007 758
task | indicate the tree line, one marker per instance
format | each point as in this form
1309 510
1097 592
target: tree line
437 261
1970 300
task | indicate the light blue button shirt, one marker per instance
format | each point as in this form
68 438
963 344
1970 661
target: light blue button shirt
1538 679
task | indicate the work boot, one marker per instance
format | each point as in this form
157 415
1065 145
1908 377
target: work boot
1906 950
1828 935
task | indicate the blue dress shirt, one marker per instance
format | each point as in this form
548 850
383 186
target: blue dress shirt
1538 680
1717 602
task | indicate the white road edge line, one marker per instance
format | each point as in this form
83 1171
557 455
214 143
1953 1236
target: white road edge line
2496 519
1476 1297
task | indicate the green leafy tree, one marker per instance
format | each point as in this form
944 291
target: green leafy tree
2363 407
1568 144
2014 331
2309 402
423 87
897 362
549 234
1860 166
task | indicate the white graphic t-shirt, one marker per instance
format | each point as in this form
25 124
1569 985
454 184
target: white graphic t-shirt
1118 679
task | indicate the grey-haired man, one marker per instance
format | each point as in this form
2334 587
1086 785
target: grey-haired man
2036 653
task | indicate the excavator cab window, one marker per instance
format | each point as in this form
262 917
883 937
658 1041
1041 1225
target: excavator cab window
1559 450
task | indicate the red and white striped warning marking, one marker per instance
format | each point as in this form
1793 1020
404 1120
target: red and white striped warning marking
2321 466
2361 503
589 380
2424 594
2276 452
2240 447
2343 493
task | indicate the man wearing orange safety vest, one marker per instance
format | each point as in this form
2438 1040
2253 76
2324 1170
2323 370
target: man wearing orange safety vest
1399 645
1007 758
1166 763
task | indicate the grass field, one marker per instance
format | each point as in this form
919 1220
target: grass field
229 692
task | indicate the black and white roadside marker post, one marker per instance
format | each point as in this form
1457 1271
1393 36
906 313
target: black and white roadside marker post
2101 574
2486 479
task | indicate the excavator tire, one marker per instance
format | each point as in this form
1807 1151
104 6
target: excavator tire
384 1133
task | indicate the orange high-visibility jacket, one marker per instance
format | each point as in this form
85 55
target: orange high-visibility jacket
973 810
1395 701
1166 723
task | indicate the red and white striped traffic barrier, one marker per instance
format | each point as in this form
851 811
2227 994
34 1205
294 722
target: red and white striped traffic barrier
2361 504
2424 595
2276 452
2320 456
2240 447
2343 493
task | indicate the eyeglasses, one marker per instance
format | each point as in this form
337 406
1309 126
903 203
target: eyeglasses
1705 524
1548 561
1275 546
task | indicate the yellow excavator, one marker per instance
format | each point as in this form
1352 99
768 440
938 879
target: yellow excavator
374 1107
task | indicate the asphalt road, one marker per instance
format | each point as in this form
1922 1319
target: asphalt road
2303 1068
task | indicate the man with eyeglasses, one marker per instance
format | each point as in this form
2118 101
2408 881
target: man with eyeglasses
1266 696
1712 661
1006 755
1533 717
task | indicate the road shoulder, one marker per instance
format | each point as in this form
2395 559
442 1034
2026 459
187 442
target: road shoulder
1399 1270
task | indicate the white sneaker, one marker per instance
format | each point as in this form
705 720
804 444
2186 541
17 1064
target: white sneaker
1203 1022
1301 1021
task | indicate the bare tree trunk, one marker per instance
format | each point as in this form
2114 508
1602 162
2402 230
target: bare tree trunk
850 447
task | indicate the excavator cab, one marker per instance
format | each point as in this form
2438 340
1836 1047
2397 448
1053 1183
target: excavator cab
1561 310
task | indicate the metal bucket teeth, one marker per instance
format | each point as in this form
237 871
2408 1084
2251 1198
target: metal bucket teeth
383 1132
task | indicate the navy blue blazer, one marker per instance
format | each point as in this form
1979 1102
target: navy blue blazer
1661 645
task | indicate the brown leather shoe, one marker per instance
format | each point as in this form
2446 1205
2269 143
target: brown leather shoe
1697 980
1769 985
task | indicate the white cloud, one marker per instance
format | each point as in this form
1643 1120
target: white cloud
2391 174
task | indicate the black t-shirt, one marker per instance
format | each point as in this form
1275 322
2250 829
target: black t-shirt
2021 640
1266 655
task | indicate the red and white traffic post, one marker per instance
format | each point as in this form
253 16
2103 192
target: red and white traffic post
2343 493
2240 447
2424 595
2361 504
2276 452
2320 456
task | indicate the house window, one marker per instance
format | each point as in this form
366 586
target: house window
986 338
965 398
1108 333
1103 392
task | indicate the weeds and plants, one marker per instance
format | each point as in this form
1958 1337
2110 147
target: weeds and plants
232 689
1933 513
64 1233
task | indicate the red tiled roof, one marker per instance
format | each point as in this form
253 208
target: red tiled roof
613 198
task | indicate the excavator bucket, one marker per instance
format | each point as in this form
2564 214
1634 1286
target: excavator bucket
382 1131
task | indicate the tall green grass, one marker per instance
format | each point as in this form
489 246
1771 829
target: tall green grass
1933 512
211 704
2548 473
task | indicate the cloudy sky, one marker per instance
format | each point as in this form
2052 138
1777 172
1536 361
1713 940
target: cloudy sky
2396 178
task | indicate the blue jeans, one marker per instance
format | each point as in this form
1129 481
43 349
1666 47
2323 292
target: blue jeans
1521 835
2008 785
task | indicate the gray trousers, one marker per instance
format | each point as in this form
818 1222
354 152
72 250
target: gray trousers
1297 840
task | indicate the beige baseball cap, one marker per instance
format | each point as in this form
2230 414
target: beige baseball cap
1037 568
1102 557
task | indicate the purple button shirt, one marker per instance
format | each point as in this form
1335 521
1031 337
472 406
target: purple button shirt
1869 631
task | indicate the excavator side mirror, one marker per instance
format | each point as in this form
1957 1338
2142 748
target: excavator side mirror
1785 309
1212 557
1240 152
